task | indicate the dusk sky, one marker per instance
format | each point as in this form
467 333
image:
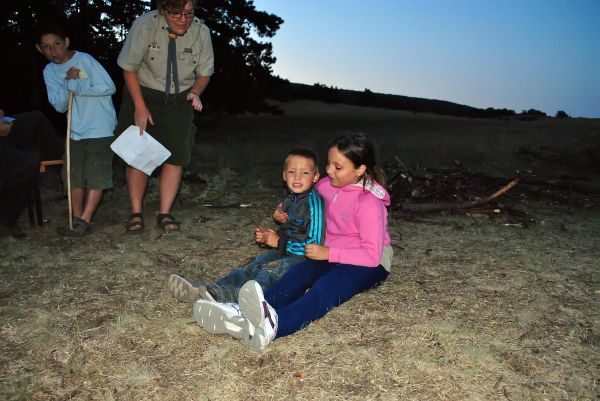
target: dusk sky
515 54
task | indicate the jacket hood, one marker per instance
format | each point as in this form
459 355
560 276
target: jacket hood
375 188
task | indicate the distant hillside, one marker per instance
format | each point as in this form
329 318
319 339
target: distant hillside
284 90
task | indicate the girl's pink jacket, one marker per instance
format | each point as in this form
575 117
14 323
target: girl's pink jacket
356 222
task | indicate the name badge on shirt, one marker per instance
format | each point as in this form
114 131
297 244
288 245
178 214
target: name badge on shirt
187 50
154 45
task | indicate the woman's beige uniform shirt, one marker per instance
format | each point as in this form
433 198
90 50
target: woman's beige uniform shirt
146 47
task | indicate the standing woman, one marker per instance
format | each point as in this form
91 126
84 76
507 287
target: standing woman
167 61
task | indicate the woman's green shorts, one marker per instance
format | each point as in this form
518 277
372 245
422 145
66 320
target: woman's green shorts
173 122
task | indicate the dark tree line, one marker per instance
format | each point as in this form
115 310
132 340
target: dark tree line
243 58
243 55
283 90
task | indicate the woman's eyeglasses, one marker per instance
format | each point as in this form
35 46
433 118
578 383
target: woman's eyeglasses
186 15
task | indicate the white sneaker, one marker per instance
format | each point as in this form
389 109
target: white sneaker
218 318
262 317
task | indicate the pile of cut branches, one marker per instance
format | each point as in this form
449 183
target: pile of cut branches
420 190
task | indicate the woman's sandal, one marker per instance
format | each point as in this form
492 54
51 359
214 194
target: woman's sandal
166 222
135 224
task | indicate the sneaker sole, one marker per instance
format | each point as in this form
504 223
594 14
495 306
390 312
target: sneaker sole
181 289
216 319
250 301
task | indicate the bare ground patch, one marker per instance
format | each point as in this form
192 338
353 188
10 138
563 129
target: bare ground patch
474 310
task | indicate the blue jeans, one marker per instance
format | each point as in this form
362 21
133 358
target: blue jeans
265 268
312 288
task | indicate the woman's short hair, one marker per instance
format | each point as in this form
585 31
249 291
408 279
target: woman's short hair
173 6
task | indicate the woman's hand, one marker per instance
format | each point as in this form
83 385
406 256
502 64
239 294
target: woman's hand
195 99
316 252
280 216
141 117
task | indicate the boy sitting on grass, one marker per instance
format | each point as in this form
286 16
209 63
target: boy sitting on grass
302 222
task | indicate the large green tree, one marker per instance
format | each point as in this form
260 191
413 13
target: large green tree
243 60
243 54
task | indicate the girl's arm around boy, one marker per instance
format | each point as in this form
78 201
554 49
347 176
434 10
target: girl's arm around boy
370 222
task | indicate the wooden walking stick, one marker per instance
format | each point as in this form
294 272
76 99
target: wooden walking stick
68 152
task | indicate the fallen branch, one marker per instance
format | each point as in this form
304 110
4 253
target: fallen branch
437 207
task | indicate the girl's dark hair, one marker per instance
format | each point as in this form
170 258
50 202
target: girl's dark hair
360 150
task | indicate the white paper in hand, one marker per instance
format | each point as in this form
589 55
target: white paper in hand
140 151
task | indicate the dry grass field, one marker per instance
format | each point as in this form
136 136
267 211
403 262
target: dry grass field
475 308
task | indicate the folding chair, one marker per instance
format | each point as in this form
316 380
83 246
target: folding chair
34 206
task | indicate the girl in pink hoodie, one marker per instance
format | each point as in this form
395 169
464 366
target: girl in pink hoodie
356 256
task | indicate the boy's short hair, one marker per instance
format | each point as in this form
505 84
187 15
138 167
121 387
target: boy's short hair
307 153
49 28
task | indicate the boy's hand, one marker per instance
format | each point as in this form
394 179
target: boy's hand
266 237
259 235
280 216
73 73
316 252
